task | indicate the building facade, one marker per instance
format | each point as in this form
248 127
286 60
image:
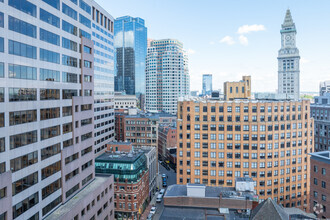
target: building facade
238 90
131 186
131 51
324 87
167 75
288 60
207 84
320 168
49 89
266 140
166 140
320 111
124 102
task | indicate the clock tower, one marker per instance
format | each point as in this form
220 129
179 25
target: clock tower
288 60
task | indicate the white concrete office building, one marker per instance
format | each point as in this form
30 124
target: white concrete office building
167 75
56 107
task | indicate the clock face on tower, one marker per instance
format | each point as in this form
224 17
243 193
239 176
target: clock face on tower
287 37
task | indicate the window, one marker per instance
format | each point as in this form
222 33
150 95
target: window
84 6
24 183
24 6
25 205
22 117
68 93
2 70
53 3
49 94
22 27
23 161
49 18
20 49
49 113
69 61
87 64
22 72
85 21
71 29
69 44
69 77
51 205
20 140
50 170
1 20
69 11
50 151
49 37
49 75
51 188
50 132
49 56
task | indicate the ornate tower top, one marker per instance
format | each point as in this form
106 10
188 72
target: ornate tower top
288 25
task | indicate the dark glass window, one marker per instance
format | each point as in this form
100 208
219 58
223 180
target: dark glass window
85 21
49 75
69 61
83 33
66 26
69 77
24 183
49 94
2 48
22 72
23 139
50 132
22 27
2 20
2 94
20 49
69 93
22 94
51 188
49 37
25 205
50 151
24 6
24 161
53 3
69 44
84 6
22 117
49 18
69 11
49 56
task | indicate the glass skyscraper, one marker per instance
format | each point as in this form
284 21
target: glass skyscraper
131 51
207 84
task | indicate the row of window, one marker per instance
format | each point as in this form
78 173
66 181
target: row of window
246 109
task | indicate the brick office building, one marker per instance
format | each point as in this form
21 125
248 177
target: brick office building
320 180
131 181
267 140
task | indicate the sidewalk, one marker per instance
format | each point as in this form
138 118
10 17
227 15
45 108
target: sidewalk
147 210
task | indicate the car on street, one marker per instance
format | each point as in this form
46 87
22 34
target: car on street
153 210
149 216
159 198
162 191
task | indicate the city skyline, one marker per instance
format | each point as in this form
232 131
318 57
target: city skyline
241 45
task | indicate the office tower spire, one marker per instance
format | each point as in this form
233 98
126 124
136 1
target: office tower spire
288 60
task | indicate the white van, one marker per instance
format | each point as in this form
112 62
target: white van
159 198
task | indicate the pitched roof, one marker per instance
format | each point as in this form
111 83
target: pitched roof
288 19
269 210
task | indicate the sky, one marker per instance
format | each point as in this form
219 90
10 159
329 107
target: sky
232 38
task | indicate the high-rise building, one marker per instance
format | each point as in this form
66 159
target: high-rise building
266 140
288 60
324 87
238 90
56 67
207 84
131 51
167 75
320 111
320 179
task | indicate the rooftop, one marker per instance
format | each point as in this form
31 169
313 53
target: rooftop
210 191
323 156
120 156
120 142
78 198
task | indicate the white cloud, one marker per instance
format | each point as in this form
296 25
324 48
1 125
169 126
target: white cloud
243 40
191 51
250 28
227 40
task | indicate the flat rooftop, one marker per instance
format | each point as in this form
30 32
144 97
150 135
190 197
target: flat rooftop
204 100
174 213
75 200
210 191
120 143
323 156
119 156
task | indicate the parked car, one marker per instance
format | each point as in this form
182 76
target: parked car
149 216
159 198
153 210
162 191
